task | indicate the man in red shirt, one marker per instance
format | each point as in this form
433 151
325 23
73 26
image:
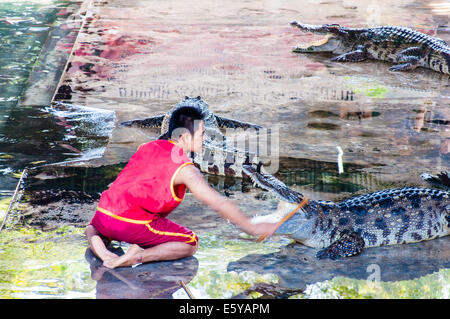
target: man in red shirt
150 186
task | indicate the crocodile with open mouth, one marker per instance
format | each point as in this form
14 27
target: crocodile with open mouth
219 156
406 47
386 217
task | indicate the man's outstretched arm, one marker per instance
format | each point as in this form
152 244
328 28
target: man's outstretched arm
193 179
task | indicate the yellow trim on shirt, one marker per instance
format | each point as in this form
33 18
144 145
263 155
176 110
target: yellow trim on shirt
124 219
140 146
166 233
173 179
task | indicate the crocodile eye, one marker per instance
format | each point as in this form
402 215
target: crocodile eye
199 97
186 97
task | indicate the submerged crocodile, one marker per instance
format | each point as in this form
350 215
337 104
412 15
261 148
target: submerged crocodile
407 47
219 156
387 217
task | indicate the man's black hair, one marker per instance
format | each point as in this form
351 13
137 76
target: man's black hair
184 117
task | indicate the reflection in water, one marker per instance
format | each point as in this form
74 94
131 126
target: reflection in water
268 291
297 266
318 178
32 136
323 177
91 180
429 121
157 280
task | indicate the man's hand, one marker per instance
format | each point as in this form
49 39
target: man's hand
261 229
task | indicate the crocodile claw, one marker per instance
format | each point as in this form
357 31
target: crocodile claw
350 244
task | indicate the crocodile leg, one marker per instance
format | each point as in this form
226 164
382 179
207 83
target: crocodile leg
412 51
224 122
349 244
412 62
411 58
150 122
360 54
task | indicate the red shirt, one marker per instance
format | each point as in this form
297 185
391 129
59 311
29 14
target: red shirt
144 189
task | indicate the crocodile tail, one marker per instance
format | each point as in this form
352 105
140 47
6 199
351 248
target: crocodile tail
150 122
442 179
270 183
164 136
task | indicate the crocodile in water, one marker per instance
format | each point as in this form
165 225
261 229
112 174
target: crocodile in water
386 217
219 156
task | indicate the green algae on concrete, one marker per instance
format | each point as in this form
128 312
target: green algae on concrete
36 264
432 286
4 204
370 88
377 92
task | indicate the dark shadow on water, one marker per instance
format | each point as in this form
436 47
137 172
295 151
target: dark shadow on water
317 176
157 280
34 136
82 179
297 267
323 176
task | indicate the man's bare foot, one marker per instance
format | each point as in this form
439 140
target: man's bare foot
128 259
98 244
110 258
99 249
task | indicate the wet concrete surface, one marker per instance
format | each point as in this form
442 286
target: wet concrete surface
297 266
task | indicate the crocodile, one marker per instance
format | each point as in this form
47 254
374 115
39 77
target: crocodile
385 217
219 155
404 46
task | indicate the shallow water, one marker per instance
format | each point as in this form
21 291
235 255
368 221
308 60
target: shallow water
139 59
